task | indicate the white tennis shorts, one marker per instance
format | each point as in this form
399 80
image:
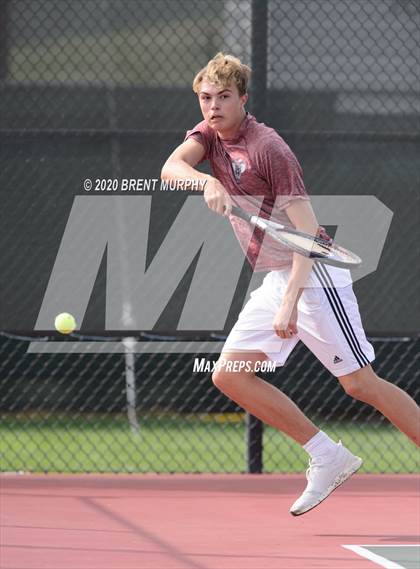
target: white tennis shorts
328 323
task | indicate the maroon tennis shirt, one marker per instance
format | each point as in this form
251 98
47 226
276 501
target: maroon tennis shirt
263 176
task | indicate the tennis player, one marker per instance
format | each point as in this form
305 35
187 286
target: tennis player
253 167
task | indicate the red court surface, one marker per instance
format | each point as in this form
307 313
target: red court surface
198 521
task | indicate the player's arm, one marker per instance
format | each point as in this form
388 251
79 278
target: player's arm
302 216
181 166
181 163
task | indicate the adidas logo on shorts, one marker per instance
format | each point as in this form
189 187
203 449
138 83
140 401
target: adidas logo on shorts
337 360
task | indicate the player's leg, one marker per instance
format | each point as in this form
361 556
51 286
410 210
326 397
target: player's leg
260 398
348 354
329 324
331 464
253 338
390 400
254 333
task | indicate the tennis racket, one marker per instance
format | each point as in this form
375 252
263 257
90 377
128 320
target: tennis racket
313 247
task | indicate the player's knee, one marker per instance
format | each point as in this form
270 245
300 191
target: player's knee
354 388
220 378
360 385
223 378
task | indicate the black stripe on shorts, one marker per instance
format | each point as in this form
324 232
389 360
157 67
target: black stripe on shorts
340 313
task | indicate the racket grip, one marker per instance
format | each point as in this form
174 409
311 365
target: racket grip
239 212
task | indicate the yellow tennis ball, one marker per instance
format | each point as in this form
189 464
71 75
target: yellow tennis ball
65 323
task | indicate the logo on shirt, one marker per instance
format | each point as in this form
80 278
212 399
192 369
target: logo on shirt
238 167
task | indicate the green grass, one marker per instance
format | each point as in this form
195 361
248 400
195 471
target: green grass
175 443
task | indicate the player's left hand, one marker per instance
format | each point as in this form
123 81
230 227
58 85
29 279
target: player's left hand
285 321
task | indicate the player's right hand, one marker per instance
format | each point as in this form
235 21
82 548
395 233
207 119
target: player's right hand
217 198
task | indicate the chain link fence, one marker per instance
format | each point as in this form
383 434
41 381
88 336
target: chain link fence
100 89
69 413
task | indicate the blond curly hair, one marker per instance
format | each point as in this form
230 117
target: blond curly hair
222 70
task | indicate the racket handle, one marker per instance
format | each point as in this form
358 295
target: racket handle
239 212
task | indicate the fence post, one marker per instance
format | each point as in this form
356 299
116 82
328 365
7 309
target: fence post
3 39
254 447
259 32
259 25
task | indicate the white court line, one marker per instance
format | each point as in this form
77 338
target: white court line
374 557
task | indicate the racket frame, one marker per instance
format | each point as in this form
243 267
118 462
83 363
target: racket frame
275 230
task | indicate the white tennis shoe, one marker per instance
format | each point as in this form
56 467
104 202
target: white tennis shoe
324 477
